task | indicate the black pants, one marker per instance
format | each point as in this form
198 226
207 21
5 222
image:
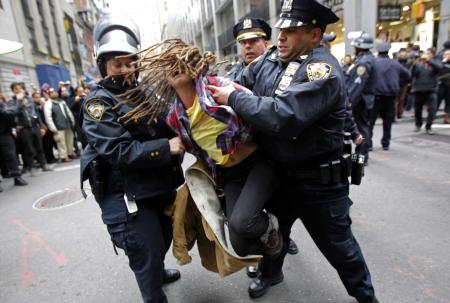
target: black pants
146 238
421 99
361 116
48 144
8 156
385 108
31 141
248 186
329 225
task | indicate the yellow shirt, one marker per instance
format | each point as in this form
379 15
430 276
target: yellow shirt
205 130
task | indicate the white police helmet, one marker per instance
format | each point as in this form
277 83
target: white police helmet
363 41
114 33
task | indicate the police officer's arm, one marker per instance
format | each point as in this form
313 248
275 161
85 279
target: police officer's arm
116 145
287 114
349 122
355 89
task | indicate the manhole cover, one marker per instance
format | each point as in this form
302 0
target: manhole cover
59 199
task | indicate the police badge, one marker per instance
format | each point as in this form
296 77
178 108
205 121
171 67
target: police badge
95 109
318 71
247 24
287 6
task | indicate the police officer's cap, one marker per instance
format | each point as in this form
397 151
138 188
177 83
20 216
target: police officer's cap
295 13
362 41
329 37
383 47
249 28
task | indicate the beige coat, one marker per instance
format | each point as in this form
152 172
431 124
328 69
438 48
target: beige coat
197 217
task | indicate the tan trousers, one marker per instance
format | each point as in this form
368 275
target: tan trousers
64 142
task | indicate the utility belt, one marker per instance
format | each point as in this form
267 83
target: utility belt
348 165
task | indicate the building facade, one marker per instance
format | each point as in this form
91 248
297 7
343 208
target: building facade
55 37
208 23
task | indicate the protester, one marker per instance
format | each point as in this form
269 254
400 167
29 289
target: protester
217 136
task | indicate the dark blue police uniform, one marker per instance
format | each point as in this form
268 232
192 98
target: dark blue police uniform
299 112
136 162
236 72
386 89
359 82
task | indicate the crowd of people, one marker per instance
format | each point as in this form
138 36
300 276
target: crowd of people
39 128
427 83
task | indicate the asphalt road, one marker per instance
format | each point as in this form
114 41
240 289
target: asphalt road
400 218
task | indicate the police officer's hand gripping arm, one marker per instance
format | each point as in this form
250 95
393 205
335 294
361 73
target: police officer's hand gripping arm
286 114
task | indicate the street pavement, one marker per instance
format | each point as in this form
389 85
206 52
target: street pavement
400 218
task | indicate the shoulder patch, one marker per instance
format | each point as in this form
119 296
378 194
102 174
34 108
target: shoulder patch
361 70
95 108
318 71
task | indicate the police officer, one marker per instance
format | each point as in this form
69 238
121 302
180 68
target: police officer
140 161
299 108
359 82
386 89
253 36
327 39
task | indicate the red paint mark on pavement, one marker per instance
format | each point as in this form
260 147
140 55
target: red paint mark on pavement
39 245
430 292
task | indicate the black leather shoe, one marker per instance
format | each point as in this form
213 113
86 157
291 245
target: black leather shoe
171 275
18 181
252 271
369 300
293 249
260 286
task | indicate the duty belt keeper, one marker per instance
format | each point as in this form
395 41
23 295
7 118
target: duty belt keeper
336 171
325 173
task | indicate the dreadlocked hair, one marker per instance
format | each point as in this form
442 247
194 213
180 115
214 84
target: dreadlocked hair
156 63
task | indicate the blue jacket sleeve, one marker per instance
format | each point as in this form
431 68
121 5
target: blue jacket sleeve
291 112
356 88
115 144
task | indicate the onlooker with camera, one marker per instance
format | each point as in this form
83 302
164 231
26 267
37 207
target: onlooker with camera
425 72
60 122
29 126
